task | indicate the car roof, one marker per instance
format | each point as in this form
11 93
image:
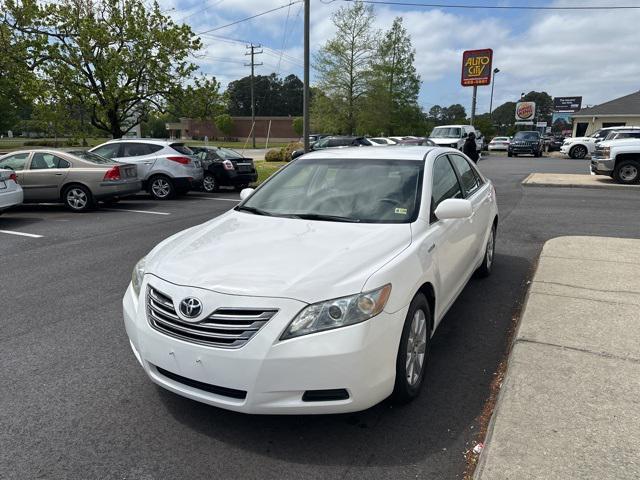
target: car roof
453 126
622 127
153 141
409 152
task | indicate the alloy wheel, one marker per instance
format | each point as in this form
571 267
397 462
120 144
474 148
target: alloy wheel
491 247
416 348
579 152
209 183
161 188
77 198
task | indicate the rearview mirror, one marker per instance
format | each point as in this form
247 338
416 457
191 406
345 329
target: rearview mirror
454 208
246 193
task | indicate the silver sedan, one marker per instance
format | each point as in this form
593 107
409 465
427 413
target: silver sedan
78 179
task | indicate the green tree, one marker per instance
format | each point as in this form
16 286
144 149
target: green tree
297 124
544 105
505 114
224 123
202 100
117 59
394 84
455 113
343 64
273 95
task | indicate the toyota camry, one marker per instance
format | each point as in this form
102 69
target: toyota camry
320 292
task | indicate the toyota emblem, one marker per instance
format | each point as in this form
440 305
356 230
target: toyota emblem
191 307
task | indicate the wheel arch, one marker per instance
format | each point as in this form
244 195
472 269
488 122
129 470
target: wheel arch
429 292
635 156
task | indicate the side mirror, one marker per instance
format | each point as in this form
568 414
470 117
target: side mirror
246 193
453 208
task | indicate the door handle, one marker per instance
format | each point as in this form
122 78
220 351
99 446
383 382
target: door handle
59 174
431 248
148 163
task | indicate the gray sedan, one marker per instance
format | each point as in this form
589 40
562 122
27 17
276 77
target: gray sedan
78 179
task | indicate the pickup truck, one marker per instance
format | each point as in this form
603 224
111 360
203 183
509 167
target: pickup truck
619 159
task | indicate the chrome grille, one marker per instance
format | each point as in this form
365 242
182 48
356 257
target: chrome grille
226 327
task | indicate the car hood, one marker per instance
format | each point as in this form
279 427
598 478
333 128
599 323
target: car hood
579 139
444 140
244 254
621 142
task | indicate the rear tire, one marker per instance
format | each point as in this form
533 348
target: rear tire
78 198
413 352
161 187
509 154
627 172
578 152
209 183
484 270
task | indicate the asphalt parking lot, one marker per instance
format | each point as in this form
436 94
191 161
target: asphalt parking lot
75 403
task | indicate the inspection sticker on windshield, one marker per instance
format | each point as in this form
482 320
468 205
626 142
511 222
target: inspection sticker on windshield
401 211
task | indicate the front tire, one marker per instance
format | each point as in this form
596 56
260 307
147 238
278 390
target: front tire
509 154
78 198
161 188
627 172
578 152
413 352
484 270
209 183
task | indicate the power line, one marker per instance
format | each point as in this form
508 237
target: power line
252 51
249 18
494 7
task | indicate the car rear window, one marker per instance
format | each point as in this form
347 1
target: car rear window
181 148
92 157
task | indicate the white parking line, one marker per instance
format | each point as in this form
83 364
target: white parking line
135 211
221 199
22 234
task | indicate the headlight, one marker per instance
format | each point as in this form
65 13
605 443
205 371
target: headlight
604 152
137 275
338 312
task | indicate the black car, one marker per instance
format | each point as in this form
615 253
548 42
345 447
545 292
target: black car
331 142
556 143
526 143
224 167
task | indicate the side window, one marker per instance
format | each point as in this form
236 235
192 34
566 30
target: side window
132 149
468 178
445 184
44 161
15 162
108 151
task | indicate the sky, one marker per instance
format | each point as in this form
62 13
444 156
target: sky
565 53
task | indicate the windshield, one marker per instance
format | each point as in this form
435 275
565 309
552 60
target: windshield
362 190
228 154
446 132
92 157
526 136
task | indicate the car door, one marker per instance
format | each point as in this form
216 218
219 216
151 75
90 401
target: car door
18 163
45 176
476 190
447 239
140 154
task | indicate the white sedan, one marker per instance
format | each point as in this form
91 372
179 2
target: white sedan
320 292
10 192
499 143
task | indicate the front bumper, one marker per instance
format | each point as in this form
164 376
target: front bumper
523 149
602 166
565 148
274 374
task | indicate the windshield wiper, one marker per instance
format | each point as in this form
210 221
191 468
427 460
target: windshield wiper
254 210
329 218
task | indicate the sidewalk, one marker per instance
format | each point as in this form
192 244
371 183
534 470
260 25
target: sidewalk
573 180
569 407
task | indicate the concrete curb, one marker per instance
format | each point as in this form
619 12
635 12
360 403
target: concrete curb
567 180
568 407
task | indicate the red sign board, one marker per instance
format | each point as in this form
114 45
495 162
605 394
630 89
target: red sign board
476 67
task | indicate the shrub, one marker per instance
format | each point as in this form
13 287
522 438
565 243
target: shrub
286 151
51 143
274 155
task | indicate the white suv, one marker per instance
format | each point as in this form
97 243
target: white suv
165 167
454 136
580 147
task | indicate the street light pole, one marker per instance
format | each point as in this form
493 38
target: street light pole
493 82
305 95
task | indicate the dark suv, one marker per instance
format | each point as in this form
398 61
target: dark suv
224 167
526 143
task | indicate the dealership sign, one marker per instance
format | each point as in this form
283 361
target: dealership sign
476 67
525 111
567 104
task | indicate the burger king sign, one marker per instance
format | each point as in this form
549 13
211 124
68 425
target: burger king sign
525 111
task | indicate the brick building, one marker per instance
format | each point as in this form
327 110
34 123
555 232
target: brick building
278 129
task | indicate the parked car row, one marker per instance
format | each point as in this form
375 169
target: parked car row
580 147
119 168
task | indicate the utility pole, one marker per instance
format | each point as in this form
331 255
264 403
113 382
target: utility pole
305 96
493 82
253 52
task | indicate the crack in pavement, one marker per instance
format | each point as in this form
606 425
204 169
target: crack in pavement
630 292
578 349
